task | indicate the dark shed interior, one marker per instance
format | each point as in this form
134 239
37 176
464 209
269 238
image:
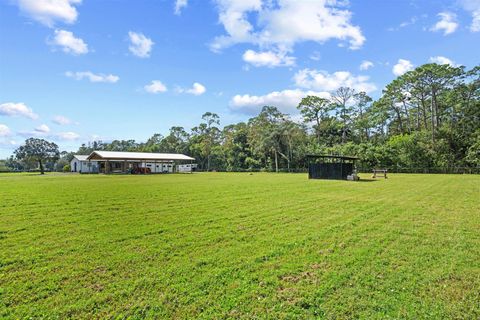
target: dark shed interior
330 167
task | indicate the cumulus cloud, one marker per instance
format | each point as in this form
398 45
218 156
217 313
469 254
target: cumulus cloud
365 65
283 23
324 81
69 43
140 45
12 109
61 120
442 60
4 130
69 136
197 89
179 5
48 12
42 129
285 101
268 59
447 23
92 77
156 86
402 67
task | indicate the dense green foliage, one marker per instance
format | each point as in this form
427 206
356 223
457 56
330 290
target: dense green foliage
427 118
239 245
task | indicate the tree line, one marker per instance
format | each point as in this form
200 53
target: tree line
426 119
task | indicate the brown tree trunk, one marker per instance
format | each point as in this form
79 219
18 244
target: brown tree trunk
400 123
276 161
418 117
432 111
41 167
424 113
408 116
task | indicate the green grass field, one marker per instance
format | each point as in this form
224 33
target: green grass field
235 245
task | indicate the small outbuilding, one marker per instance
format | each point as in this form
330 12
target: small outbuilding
331 167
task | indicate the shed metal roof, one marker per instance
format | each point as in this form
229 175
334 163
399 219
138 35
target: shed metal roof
80 157
325 156
116 155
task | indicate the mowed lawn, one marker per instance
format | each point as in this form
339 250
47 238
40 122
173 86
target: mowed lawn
239 245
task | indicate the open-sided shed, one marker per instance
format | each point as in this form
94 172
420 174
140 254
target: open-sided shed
123 162
330 166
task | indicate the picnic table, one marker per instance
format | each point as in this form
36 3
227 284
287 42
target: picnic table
381 172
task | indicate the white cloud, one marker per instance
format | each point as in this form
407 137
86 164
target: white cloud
7 143
316 56
70 136
197 89
283 23
140 45
473 6
48 12
92 77
156 86
179 5
475 26
268 59
365 65
4 131
42 129
324 81
447 23
33 133
69 43
404 24
61 120
401 67
409 22
442 60
285 101
12 109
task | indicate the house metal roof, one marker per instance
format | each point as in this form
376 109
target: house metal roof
116 155
80 157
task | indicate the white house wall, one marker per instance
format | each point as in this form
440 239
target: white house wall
82 166
89 169
158 167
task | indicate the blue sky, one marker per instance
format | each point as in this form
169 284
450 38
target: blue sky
76 70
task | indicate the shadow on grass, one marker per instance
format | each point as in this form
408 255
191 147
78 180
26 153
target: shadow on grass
367 180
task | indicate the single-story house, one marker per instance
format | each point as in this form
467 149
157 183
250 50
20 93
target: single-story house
80 164
140 162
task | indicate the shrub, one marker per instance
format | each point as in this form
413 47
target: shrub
66 168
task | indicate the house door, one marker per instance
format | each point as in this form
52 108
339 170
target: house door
74 167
